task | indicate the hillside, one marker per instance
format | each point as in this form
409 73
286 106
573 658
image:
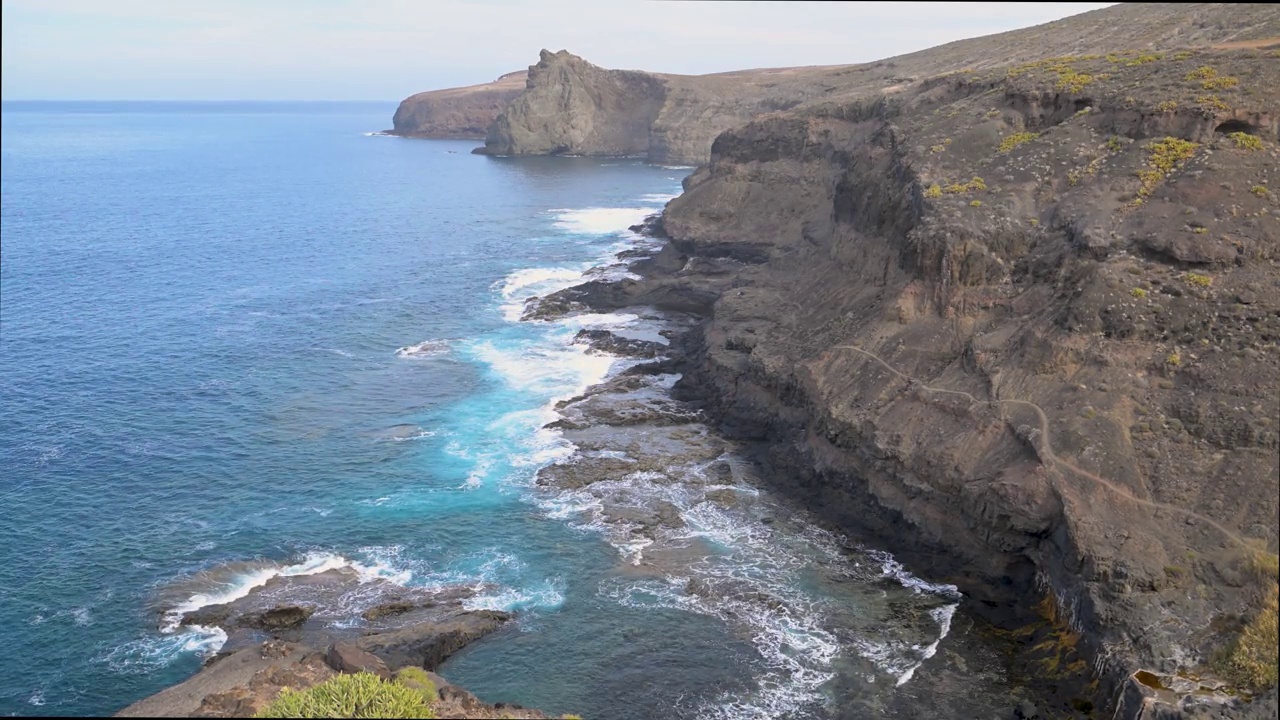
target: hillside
574 107
1010 306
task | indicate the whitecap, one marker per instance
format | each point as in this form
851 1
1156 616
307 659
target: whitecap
943 616
242 583
600 221
660 198
423 349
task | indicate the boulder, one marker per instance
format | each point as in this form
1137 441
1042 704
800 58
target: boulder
346 657
429 644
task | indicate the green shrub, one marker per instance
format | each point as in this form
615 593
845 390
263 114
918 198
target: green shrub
1198 280
1245 141
1212 101
1164 156
1138 293
975 203
1250 661
362 695
1167 106
415 678
1220 83
1016 139
1259 190
1204 72
1114 144
933 191
1144 59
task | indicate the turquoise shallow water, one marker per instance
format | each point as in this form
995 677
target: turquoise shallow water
241 339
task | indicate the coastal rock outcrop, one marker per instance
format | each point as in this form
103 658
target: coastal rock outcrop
296 631
462 113
1020 326
572 107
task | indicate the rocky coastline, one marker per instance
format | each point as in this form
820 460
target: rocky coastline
296 632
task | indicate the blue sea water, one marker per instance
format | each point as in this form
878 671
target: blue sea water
238 340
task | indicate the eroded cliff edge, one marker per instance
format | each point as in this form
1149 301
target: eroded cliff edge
573 107
1021 325
463 113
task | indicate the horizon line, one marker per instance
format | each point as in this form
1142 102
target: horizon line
198 100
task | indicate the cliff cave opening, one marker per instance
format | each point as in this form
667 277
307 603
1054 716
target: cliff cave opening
1231 126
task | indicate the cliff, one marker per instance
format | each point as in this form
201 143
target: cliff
576 108
1020 323
464 113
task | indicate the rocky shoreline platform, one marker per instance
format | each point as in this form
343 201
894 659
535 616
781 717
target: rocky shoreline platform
296 632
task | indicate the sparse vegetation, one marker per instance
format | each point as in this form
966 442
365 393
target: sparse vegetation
1072 81
1200 230
1016 139
1210 79
1250 661
1173 359
1213 102
993 113
1035 222
1164 156
1204 72
362 695
975 203
974 184
1220 83
1146 58
1245 141
933 191
1259 190
1138 293
1198 280
937 148
1182 55
1167 106
1114 144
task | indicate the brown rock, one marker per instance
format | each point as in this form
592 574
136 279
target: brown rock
346 657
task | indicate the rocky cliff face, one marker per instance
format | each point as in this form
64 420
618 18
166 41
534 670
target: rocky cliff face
464 113
573 107
1022 326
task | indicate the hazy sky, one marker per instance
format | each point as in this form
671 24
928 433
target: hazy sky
387 49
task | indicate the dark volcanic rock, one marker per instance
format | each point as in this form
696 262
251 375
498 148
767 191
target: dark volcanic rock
429 644
347 658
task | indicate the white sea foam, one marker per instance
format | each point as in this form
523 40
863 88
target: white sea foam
600 221
521 285
548 595
661 198
241 584
560 370
148 654
894 569
423 349
943 616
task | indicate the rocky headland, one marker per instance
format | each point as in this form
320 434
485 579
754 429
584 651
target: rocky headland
463 113
1010 308
296 632
570 106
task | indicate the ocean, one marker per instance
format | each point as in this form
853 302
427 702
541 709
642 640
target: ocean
239 340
